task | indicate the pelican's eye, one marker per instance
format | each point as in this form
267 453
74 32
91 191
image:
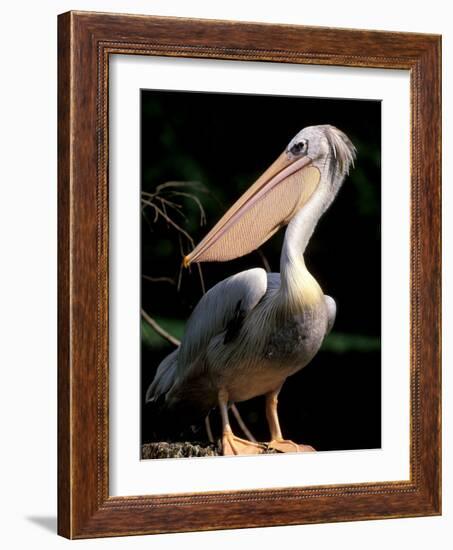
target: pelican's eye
299 147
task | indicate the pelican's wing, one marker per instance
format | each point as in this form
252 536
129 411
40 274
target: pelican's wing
221 309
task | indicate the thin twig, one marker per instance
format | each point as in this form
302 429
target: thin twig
178 184
156 212
181 267
170 221
169 184
151 196
148 194
266 264
147 220
197 202
164 210
207 424
200 273
175 206
162 332
241 423
159 279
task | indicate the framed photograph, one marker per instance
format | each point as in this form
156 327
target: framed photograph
249 275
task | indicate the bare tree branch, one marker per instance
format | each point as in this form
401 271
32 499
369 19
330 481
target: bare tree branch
197 201
162 213
175 206
162 332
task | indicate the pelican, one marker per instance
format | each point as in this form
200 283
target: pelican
253 330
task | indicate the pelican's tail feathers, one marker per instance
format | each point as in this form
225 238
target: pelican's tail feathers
164 379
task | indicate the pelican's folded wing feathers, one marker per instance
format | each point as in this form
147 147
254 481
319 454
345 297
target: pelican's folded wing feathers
221 309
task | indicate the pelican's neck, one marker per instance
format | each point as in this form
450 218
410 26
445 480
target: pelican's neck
298 286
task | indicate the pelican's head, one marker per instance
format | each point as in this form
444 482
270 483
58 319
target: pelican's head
327 148
318 157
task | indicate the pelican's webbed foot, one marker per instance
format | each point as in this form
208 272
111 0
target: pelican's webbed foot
288 446
233 445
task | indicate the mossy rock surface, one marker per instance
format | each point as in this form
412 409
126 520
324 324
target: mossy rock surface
183 449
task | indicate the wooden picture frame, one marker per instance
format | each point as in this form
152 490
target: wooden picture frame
85 41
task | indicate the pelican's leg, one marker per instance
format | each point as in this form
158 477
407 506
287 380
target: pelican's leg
277 442
231 444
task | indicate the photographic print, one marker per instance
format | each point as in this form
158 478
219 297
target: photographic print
260 274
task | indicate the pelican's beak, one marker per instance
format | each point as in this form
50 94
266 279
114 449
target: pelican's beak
266 206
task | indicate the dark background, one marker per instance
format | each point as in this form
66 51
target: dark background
218 144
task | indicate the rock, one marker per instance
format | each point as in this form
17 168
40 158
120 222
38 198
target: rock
183 449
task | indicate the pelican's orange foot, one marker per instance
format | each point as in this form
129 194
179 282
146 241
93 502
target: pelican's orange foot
287 446
233 445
